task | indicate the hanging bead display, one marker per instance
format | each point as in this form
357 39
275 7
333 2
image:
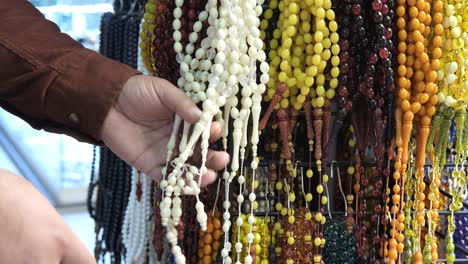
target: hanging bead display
319 99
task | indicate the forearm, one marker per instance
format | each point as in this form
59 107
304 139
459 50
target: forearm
50 80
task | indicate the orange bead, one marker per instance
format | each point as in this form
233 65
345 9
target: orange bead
403 94
414 24
433 100
400 247
405 105
413 12
207 259
209 227
409 74
423 98
402 47
401 70
434 256
401 23
437 18
431 88
435 64
437 41
424 58
392 242
402 35
400 11
419 87
438 6
418 48
427 22
217 234
411 2
420 4
418 257
207 238
392 253
401 58
216 223
400 237
431 76
207 250
438 29
216 245
430 110
422 111
417 36
427 7
408 116
422 16
418 76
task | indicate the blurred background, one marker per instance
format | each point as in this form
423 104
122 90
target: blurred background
59 166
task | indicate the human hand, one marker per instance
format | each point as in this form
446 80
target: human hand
31 230
139 125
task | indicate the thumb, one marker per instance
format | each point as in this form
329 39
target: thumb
76 253
176 101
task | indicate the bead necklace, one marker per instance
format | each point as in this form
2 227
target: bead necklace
135 223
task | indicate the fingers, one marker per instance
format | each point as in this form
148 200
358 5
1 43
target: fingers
216 131
217 160
175 100
76 253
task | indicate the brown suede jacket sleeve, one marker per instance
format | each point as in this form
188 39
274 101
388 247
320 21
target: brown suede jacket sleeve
51 81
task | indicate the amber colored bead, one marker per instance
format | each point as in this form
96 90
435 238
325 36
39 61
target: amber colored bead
401 23
392 253
402 35
401 58
438 6
422 16
436 52
433 100
419 87
405 105
413 12
414 24
400 247
430 111
400 11
207 259
424 58
418 48
207 238
438 29
419 75
422 97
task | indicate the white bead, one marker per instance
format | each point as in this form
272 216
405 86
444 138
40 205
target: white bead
226 215
252 52
190 48
451 78
224 253
238 247
226 204
239 221
177 47
252 197
177 12
176 24
202 16
228 260
248 259
241 179
234 68
264 78
179 3
250 237
163 184
240 199
251 219
453 67
217 69
254 164
226 227
220 58
221 100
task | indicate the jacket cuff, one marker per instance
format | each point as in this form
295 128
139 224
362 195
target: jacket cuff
85 89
